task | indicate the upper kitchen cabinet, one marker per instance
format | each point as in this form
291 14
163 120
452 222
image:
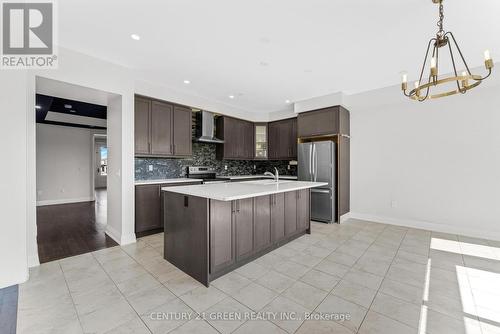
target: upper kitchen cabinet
162 129
238 136
142 126
182 131
328 121
261 147
282 139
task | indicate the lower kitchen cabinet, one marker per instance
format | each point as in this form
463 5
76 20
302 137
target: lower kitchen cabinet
303 203
243 227
290 213
277 217
262 222
221 235
148 205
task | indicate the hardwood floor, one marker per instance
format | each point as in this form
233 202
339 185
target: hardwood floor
72 229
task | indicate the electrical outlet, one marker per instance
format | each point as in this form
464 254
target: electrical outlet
394 204
225 167
289 167
254 167
150 168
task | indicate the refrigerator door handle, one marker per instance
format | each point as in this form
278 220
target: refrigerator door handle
315 163
310 162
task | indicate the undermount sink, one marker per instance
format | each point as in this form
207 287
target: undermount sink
268 182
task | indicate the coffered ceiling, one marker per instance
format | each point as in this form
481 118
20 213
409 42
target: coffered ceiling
263 52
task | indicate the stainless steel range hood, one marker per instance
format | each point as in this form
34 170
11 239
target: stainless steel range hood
205 128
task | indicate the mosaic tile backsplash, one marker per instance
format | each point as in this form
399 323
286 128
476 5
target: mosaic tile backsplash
204 155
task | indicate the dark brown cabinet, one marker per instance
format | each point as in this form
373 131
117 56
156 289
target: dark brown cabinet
290 213
161 125
221 236
278 217
147 208
283 139
182 131
262 222
243 227
162 129
343 171
141 127
238 136
303 218
322 122
148 205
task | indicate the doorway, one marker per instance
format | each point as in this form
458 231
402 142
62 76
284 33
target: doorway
71 169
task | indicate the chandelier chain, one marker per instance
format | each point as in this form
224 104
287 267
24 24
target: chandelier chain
440 32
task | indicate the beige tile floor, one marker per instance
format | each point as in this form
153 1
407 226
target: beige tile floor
370 278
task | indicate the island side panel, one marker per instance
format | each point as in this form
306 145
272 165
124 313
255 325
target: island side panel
185 219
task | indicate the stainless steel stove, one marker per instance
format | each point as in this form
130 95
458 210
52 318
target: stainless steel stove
207 174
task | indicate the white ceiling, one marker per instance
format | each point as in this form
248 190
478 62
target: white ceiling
267 51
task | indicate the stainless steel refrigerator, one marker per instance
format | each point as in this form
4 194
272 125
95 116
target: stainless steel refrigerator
317 162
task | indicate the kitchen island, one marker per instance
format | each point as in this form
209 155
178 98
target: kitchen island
212 229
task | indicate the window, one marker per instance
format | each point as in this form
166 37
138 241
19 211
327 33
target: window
103 167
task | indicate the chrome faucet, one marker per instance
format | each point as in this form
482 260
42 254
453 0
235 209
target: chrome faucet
275 176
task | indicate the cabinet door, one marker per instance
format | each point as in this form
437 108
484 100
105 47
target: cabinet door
273 141
141 125
147 208
249 140
262 222
182 131
161 128
303 209
290 213
243 219
278 216
221 235
319 122
284 140
293 138
343 187
230 138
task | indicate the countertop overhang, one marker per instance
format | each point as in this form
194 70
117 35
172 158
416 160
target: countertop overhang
241 190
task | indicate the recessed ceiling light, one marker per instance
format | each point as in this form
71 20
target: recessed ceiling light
187 82
68 106
38 107
135 37
231 96
287 101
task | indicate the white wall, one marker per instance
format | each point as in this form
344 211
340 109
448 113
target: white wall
64 164
13 187
433 165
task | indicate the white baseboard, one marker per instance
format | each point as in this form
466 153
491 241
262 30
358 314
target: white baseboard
444 228
33 261
344 217
119 238
65 201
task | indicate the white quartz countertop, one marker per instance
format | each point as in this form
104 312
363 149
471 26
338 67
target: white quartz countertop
242 177
165 181
240 190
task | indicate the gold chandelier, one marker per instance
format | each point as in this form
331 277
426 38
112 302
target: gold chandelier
464 82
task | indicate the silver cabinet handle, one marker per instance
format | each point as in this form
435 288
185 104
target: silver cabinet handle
320 191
